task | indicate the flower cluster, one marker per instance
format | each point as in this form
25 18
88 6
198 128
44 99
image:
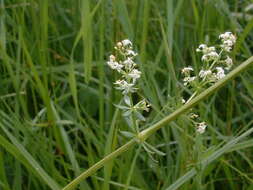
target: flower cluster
125 65
216 63
187 73
123 62
209 53
201 127
228 40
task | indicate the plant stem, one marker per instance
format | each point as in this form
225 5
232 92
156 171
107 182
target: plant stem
100 164
132 168
151 130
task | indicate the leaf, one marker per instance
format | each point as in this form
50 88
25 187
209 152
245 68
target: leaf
27 159
127 113
127 100
139 116
121 107
130 123
153 149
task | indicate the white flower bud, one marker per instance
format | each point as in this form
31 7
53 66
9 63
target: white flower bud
220 73
201 127
125 86
126 43
134 74
186 70
204 73
228 63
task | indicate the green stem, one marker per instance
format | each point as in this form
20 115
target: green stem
216 60
132 117
132 168
100 164
198 153
192 96
151 130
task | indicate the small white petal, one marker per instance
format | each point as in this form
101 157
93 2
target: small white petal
186 70
204 73
135 74
220 73
126 42
201 127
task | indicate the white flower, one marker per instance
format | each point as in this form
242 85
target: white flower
126 87
209 53
131 53
134 74
201 127
228 36
112 58
209 50
129 63
126 43
204 73
119 45
115 65
205 49
228 43
228 63
226 48
188 80
201 47
228 40
220 73
183 101
210 56
186 70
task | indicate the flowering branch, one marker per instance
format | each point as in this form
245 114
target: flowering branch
124 64
216 62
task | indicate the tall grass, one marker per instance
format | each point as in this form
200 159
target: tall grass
56 95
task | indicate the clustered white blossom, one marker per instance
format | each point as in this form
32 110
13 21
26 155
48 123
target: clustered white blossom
201 127
216 63
123 62
205 73
228 40
209 53
187 73
125 65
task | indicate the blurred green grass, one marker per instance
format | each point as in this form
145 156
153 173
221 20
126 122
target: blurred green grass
56 92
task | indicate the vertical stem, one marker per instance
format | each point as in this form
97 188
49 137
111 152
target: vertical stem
198 153
132 117
132 168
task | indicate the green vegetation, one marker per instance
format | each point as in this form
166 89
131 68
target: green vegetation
57 113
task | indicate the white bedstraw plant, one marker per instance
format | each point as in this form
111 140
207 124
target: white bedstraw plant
123 62
216 63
